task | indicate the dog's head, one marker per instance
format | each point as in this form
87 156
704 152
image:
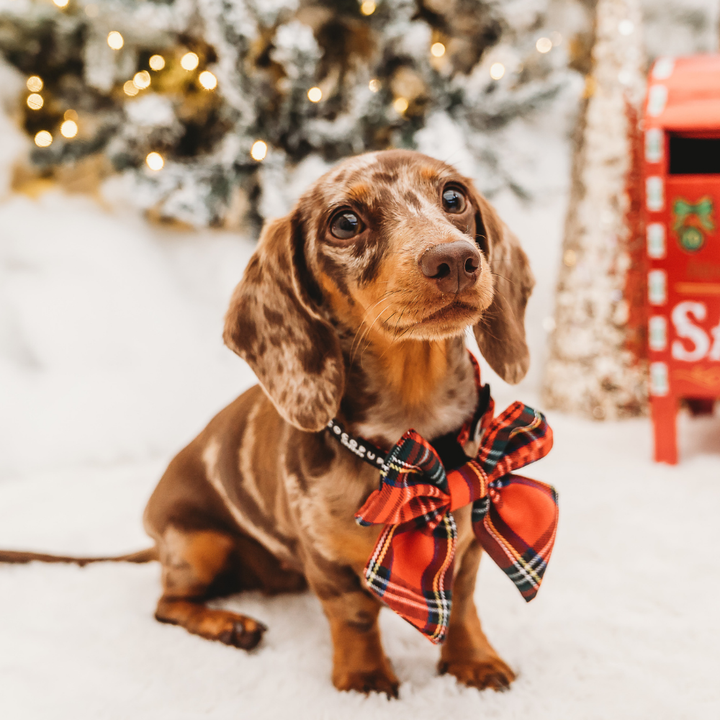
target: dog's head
393 244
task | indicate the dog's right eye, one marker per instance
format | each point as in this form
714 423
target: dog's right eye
345 225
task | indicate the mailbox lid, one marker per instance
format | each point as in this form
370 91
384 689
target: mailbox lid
684 93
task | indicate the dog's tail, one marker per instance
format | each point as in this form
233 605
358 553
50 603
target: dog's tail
16 556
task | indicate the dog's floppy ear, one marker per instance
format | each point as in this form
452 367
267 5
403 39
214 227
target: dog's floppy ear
501 331
275 325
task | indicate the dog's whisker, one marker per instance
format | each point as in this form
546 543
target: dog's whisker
368 328
369 343
362 329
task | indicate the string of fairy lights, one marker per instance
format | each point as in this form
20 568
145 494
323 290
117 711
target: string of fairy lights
141 80
189 61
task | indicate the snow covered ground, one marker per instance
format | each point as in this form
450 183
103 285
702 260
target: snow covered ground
625 626
111 360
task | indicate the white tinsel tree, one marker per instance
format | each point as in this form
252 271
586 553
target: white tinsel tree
592 368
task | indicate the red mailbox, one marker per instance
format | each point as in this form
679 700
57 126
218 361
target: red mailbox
682 197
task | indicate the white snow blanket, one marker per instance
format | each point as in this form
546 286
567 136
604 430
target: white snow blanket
111 360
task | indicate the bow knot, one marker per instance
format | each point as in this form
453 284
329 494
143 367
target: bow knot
413 486
702 209
514 518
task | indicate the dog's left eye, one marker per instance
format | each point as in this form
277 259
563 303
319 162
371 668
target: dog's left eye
345 225
453 201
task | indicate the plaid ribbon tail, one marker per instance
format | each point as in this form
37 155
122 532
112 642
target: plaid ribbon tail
516 521
516 525
411 572
411 567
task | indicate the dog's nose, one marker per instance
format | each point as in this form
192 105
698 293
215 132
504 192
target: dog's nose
454 266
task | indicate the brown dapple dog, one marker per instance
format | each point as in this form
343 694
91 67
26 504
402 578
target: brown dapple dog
354 306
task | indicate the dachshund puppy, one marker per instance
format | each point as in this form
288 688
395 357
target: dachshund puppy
354 306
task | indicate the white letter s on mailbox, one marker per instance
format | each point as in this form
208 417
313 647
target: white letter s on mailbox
685 329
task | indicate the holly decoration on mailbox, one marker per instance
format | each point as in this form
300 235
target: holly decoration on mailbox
691 221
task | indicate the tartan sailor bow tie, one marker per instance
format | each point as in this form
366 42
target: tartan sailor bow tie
513 517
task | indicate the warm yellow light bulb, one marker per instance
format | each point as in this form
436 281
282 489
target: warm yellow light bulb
43 139
367 7
155 161
400 105
115 40
70 115
497 70
130 89
141 80
374 85
437 49
189 61
544 45
258 150
156 62
61 3
69 129
34 83
207 80
35 101
314 94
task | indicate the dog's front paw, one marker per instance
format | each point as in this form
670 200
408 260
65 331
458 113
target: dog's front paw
243 633
379 681
489 673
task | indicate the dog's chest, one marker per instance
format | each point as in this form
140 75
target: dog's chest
326 510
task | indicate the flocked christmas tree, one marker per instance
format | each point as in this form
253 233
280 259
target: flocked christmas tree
218 109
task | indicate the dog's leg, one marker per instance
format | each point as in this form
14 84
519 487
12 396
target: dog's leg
467 654
192 561
359 661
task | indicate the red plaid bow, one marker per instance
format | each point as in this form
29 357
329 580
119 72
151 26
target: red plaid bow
513 517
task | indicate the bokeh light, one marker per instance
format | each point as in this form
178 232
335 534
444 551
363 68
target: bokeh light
544 45
35 101
497 70
189 61
34 83
208 80
115 40
43 139
69 129
400 104
157 62
155 161
141 80
258 150
437 49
